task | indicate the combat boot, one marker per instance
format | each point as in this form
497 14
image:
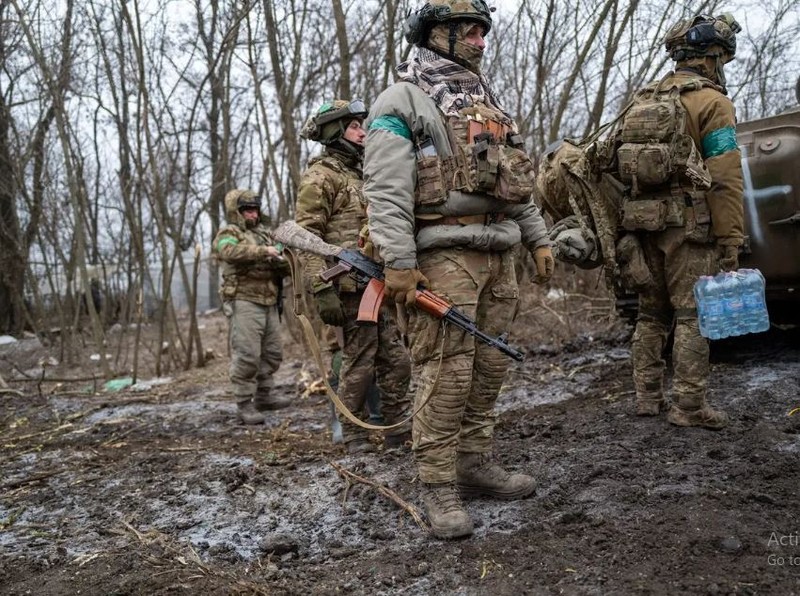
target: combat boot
265 402
477 474
248 413
445 512
650 407
394 441
705 417
359 445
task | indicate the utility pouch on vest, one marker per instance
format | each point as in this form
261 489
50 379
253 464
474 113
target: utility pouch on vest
483 163
648 164
229 288
698 220
430 188
514 176
648 215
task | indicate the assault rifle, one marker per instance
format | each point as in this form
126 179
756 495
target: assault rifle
368 272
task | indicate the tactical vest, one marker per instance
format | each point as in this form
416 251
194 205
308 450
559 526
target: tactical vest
256 281
488 158
660 162
348 213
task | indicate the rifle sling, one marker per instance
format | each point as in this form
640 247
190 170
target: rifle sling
316 352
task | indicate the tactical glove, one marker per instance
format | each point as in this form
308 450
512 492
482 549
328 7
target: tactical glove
330 307
728 257
543 258
401 284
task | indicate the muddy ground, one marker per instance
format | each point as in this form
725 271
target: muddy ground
156 489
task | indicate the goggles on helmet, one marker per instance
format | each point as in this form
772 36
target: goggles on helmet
355 109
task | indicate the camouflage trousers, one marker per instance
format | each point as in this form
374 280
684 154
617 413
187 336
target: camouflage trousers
372 353
462 376
676 264
254 337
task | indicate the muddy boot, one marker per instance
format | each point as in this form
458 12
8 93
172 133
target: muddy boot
650 407
478 474
248 413
265 402
445 511
394 441
705 417
359 445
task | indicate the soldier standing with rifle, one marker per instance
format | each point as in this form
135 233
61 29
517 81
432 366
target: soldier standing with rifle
252 279
449 188
330 204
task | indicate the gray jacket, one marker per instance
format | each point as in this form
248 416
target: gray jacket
400 116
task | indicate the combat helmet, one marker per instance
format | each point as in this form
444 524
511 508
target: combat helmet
328 123
703 36
435 12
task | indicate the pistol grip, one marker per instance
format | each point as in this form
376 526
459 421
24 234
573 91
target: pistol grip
371 301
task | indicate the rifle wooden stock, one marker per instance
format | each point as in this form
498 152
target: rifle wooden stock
366 271
432 304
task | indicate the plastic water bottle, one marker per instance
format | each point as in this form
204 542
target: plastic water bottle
733 304
710 308
755 305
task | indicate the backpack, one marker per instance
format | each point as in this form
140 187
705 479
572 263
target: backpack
655 149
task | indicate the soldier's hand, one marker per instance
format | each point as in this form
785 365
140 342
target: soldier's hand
728 257
329 307
272 252
401 284
545 264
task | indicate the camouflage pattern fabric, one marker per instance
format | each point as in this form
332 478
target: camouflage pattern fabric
460 414
373 352
677 259
675 265
255 346
248 272
330 205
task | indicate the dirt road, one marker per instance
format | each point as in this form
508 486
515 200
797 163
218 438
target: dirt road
159 491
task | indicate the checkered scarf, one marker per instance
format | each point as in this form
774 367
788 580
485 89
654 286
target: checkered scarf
450 85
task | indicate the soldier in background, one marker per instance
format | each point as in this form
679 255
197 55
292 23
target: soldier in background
449 188
330 204
678 256
252 282
657 225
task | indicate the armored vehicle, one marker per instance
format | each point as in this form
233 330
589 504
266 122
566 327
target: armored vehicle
771 163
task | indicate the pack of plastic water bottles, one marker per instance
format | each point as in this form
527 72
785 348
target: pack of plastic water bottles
731 303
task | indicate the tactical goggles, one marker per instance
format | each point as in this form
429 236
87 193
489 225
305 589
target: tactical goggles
356 109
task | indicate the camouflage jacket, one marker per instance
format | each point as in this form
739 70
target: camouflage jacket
711 122
248 272
330 204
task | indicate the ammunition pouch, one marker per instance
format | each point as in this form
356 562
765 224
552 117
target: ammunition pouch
649 215
431 189
488 158
230 285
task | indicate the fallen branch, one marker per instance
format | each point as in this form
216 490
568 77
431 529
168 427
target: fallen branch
349 476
